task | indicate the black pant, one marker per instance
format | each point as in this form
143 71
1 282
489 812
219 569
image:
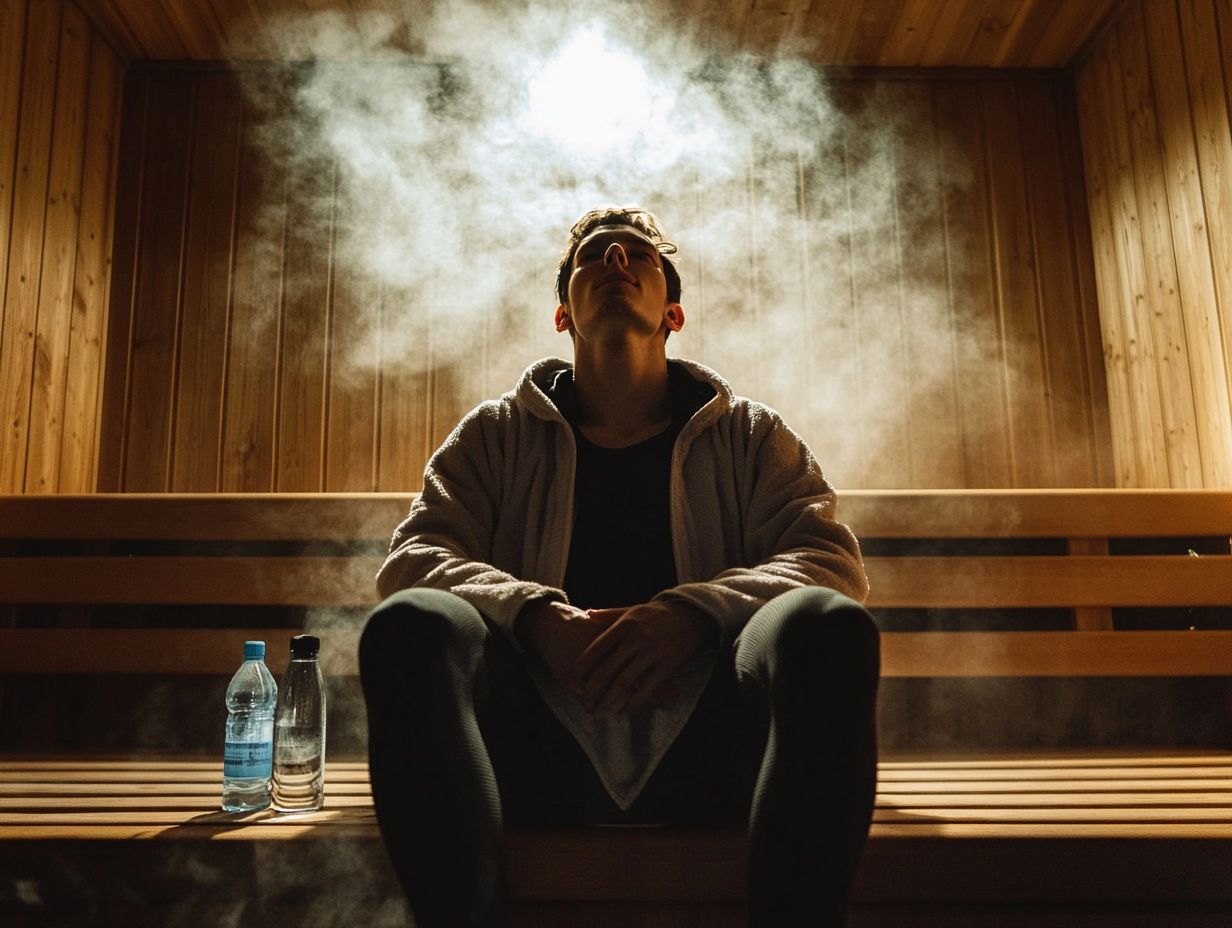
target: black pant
783 740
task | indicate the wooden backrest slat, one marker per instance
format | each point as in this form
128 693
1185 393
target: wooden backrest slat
329 517
215 581
903 654
372 516
897 582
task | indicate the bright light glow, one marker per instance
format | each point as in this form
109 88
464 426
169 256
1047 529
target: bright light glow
593 98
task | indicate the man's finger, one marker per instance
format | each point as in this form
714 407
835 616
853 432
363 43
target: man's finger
596 652
606 615
656 683
598 685
623 690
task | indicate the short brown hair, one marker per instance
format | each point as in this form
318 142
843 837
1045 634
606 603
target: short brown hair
641 219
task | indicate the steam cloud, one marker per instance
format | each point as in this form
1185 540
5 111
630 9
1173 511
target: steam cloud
464 144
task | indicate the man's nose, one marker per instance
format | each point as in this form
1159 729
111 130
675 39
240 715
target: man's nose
616 254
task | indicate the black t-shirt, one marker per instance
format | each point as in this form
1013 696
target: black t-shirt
621 550
620 553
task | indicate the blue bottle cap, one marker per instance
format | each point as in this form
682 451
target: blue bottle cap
254 650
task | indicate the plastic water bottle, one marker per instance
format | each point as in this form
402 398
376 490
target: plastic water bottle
249 752
299 736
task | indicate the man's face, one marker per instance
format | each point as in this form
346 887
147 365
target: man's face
616 281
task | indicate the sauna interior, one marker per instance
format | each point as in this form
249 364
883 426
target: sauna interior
268 252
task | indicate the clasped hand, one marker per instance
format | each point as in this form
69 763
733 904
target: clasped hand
618 659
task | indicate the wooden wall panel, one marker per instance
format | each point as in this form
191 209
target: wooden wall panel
254 327
58 108
157 303
955 310
213 183
1154 98
971 288
305 334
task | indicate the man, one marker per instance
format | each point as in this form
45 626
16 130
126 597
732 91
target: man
622 597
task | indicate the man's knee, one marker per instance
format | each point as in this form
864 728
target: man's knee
416 625
815 630
821 618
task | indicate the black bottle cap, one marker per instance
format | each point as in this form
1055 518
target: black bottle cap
305 646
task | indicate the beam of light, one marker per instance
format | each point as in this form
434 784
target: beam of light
593 99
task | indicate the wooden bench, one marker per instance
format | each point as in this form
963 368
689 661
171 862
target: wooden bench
1144 836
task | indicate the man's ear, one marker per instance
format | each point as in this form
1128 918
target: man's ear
563 322
673 315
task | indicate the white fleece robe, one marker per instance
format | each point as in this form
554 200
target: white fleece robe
751 515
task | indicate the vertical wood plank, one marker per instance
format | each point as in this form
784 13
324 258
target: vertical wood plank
1017 290
1087 293
12 57
1090 618
55 299
301 419
354 360
79 447
1196 275
1065 375
1205 63
1141 354
878 291
1097 159
25 253
969 261
117 347
405 384
933 421
835 438
247 461
1179 435
207 284
157 290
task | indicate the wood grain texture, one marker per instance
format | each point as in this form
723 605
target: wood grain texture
59 256
1031 439
79 447
122 303
59 112
12 59
1153 98
897 582
209 246
25 254
157 302
970 258
1166 327
889 33
255 321
1084 274
371 517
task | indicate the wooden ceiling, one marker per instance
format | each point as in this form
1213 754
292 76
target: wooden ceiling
878 33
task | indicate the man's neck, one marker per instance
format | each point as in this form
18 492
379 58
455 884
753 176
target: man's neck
622 394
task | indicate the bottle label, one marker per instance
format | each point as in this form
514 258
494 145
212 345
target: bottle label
243 759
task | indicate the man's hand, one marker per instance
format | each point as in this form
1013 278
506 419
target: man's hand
634 658
558 633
